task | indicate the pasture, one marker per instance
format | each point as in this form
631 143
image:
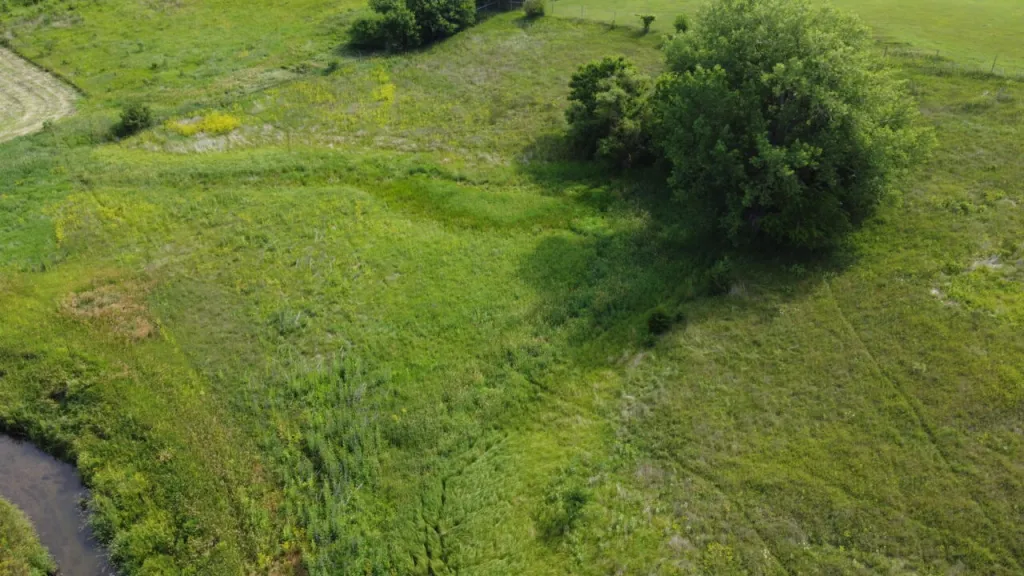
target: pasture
978 34
380 322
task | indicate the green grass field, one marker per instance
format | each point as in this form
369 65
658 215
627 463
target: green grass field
973 33
383 326
21 554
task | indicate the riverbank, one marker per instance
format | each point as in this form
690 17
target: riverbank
41 495
20 550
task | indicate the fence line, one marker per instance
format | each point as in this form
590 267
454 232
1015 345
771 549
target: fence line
1004 65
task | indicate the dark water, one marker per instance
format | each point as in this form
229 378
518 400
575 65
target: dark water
49 491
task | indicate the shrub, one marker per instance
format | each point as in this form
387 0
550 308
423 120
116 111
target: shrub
392 28
719 277
563 510
399 25
533 8
682 23
367 32
135 118
437 19
647 20
399 30
609 111
780 124
658 321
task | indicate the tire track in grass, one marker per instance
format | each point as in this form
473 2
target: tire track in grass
29 97
919 416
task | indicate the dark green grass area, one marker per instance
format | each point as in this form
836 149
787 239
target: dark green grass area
386 326
21 554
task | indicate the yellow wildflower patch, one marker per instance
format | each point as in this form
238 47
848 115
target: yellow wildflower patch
213 123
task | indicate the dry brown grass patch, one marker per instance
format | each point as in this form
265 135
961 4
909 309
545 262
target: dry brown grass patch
117 306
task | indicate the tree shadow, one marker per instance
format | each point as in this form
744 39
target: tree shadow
630 255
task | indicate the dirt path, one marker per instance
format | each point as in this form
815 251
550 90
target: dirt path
29 97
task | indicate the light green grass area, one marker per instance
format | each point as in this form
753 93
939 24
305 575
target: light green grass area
21 554
975 33
384 326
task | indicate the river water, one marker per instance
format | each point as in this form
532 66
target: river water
49 492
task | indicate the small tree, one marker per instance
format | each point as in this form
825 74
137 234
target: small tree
609 111
135 118
647 20
533 8
780 123
682 23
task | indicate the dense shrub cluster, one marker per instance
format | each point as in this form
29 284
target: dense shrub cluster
134 119
398 25
533 8
777 121
609 110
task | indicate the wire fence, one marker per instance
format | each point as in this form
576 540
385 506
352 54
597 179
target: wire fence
1006 65
663 21
953 63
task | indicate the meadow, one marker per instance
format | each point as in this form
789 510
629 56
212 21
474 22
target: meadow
373 319
980 34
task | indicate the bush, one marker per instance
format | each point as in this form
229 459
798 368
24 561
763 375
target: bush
780 124
399 25
438 19
682 23
367 32
533 8
719 277
647 20
609 112
658 321
134 119
392 28
563 510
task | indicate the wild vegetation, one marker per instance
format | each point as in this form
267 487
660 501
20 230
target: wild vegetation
778 123
371 315
21 554
399 25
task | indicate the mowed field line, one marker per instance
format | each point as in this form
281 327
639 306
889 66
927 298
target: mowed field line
29 97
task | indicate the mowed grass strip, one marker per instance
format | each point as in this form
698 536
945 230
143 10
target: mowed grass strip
29 97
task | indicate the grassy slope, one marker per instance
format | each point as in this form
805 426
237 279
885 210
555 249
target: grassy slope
21 554
416 352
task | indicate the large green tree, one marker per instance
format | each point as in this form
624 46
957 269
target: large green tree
780 123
